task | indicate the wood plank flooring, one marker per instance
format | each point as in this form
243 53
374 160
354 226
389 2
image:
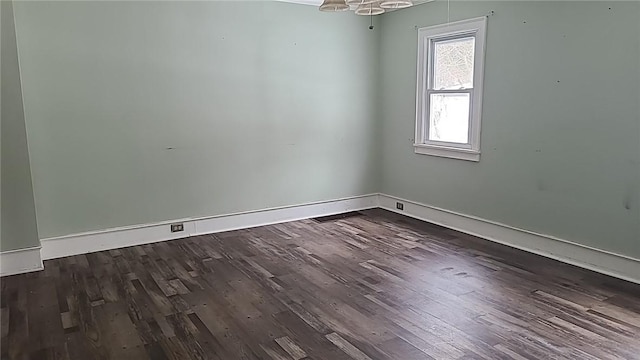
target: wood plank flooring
373 285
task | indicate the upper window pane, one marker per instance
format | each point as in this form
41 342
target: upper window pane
453 64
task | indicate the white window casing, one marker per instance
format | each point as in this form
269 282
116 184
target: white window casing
428 37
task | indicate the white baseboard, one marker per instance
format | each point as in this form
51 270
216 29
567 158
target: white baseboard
601 261
20 261
620 266
67 245
283 214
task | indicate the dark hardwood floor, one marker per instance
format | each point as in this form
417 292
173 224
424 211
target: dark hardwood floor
370 286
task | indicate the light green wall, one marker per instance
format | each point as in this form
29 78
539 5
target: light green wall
268 104
561 120
18 217
262 104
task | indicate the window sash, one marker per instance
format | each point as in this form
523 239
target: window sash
431 51
429 89
427 122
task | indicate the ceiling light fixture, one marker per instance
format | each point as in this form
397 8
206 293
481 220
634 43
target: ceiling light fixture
334 6
395 4
370 9
367 7
360 2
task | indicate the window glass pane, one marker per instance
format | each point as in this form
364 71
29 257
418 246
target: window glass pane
449 118
453 64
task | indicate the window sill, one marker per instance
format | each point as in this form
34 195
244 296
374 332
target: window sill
453 153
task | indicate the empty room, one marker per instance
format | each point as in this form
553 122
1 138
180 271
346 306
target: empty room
319 179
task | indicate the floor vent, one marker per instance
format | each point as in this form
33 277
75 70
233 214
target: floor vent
322 219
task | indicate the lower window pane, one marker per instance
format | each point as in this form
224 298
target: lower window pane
449 118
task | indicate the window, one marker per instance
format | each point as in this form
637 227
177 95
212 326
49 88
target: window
449 94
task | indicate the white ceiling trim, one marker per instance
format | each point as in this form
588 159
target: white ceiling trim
303 2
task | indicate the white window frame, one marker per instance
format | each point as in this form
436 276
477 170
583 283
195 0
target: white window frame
427 37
